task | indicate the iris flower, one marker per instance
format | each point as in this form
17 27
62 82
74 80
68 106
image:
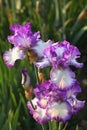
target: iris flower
50 103
60 54
23 40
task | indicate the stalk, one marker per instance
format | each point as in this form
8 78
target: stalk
50 125
60 126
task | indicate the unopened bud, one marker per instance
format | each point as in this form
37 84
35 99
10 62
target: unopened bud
25 79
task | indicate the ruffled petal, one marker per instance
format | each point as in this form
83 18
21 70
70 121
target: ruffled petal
63 78
60 111
39 114
12 55
14 28
41 46
23 36
43 102
74 90
76 104
43 63
71 54
76 64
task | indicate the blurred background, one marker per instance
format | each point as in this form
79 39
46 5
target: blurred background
56 20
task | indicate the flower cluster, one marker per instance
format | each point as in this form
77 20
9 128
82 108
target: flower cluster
56 98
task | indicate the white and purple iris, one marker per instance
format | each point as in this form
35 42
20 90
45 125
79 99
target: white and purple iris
60 54
55 104
57 97
24 40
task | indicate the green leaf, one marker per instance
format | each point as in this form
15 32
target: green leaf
15 118
79 34
77 128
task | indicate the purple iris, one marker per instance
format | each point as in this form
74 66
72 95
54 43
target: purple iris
55 104
50 104
60 54
23 36
23 40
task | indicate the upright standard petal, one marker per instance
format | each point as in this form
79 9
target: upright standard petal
23 36
71 54
14 28
63 78
62 54
12 55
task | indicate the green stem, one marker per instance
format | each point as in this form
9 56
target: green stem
42 127
50 125
60 17
65 126
32 104
60 126
13 10
36 73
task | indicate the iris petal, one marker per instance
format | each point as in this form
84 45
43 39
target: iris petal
60 111
39 114
63 78
12 55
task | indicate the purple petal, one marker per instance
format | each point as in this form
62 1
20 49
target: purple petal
76 104
71 54
23 36
74 90
62 54
14 28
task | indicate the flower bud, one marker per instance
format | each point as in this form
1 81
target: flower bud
25 79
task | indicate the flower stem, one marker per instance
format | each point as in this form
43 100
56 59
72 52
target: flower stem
36 73
60 126
50 125
65 126
42 127
32 104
